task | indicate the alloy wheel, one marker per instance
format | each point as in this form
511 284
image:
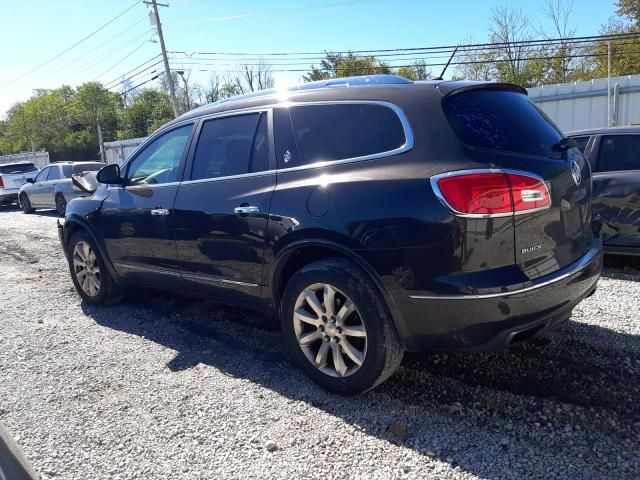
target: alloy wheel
329 330
86 268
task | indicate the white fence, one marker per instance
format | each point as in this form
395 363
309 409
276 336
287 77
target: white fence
580 105
39 159
119 151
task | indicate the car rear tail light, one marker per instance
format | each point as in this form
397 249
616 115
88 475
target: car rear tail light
491 193
1 182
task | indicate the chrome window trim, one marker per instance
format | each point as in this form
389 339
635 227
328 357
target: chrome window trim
455 173
404 121
577 267
409 139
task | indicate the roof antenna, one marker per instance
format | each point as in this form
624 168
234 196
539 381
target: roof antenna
447 65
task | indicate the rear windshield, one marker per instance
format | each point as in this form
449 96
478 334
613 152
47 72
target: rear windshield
69 170
19 168
503 121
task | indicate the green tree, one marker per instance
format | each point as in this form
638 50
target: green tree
337 65
417 71
149 110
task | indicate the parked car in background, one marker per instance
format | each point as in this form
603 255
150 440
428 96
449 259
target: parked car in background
52 186
386 216
614 155
12 177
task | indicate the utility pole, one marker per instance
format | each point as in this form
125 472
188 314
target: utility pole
100 142
167 70
609 83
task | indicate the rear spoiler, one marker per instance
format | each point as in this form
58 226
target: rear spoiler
452 87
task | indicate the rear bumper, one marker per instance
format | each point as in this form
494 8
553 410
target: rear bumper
492 321
8 195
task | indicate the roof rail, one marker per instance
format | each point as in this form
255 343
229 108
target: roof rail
362 80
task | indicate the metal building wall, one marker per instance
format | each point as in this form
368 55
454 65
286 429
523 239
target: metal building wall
119 151
580 105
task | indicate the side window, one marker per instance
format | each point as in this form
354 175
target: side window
341 131
159 162
619 152
67 170
231 146
581 143
42 176
54 173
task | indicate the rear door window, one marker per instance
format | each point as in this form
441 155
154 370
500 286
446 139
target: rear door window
501 120
619 153
54 173
342 131
230 146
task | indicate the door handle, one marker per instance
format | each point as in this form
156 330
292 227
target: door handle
159 212
247 209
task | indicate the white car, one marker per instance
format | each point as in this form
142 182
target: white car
12 177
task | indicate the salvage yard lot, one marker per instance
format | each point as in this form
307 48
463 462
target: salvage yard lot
167 387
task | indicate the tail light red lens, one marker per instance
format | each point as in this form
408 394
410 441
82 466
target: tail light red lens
491 193
1 183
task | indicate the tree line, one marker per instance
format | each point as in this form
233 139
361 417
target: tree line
65 121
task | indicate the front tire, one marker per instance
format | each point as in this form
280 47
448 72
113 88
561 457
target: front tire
337 327
61 204
89 272
26 204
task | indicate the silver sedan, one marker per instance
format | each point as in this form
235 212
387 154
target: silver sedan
53 188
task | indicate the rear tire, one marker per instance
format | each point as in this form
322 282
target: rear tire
26 204
337 328
61 204
89 272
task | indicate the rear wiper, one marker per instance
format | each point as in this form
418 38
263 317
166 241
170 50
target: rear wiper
564 145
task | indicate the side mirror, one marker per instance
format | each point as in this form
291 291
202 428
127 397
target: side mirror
30 180
110 175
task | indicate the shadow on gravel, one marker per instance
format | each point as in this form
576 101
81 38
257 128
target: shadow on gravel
569 402
622 267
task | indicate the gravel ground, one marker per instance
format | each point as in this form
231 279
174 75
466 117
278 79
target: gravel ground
168 387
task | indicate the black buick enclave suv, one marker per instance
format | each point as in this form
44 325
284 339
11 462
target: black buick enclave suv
370 214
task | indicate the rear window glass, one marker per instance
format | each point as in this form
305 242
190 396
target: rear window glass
501 120
19 168
619 153
341 131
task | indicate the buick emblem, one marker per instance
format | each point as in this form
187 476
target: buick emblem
576 173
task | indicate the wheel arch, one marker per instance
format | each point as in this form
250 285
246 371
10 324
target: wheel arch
75 224
303 252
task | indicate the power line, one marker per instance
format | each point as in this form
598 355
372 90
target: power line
102 45
443 48
387 58
462 52
121 79
121 60
385 67
71 47
101 58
